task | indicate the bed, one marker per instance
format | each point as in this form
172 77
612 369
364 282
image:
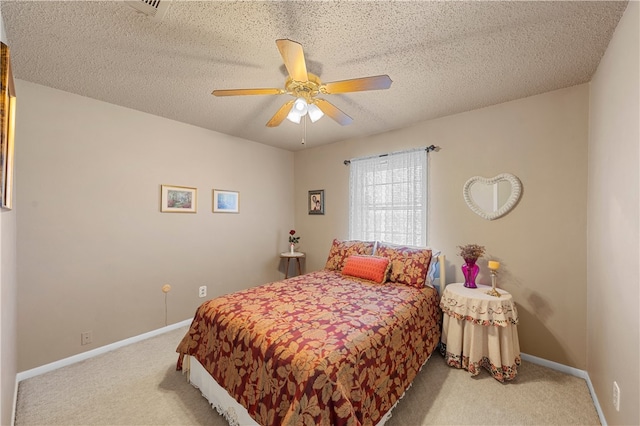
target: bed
333 347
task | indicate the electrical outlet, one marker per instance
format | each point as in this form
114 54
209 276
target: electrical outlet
86 337
616 395
202 291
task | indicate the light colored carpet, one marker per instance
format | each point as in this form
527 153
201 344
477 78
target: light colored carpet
138 385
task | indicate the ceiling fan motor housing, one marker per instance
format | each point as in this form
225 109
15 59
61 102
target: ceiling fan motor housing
304 89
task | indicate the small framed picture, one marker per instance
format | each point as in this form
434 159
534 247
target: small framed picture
226 201
316 201
178 199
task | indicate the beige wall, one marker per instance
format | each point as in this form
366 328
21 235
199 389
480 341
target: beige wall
8 301
541 244
87 262
93 248
613 209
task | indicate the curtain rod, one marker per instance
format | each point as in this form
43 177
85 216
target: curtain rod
426 148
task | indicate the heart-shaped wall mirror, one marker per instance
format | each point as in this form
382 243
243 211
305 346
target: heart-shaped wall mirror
494 197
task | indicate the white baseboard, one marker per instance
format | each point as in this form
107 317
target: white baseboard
572 372
23 375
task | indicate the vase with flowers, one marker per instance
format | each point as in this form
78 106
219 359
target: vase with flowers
293 240
470 253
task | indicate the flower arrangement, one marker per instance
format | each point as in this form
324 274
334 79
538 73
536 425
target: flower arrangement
292 238
471 251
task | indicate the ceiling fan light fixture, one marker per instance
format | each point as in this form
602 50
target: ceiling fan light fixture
315 113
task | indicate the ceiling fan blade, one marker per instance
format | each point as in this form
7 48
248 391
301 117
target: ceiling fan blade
293 57
332 111
282 113
239 92
377 82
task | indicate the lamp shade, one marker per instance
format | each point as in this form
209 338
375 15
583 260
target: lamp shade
315 113
294 117
300 106
298 110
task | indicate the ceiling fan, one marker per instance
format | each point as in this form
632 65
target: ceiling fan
305 88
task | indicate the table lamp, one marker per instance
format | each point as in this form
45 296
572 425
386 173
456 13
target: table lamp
493 268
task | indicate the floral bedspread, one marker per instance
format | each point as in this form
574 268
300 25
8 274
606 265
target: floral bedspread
316 349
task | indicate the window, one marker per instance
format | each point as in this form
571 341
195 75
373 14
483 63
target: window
388 198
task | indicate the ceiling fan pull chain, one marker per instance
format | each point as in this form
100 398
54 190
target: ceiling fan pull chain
305 129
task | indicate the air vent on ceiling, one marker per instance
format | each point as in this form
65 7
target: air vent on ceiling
153 8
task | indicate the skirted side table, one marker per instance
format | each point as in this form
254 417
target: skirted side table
479 330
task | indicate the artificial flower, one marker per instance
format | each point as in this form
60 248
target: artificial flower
471 251
292 238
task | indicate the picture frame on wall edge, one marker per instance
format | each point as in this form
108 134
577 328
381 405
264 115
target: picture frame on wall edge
7 126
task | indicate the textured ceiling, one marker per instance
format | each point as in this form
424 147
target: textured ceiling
443 57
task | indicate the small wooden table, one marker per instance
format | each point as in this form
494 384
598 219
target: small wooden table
288 256
479 330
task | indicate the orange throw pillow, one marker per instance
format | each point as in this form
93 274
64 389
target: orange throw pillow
370 268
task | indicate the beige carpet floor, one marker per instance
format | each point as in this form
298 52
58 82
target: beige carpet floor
138 385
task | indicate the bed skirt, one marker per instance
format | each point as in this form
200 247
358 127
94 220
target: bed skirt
229 408
217 396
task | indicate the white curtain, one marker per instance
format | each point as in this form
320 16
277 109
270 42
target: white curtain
388 198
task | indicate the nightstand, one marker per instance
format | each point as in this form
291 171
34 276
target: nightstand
288 256
479 330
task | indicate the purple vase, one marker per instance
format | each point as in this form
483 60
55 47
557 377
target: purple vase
470 271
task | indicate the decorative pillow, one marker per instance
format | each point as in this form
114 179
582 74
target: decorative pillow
409 265
370 268
434 269
341 250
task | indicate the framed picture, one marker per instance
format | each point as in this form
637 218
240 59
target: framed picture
226 201
316 201
7 125
178 199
